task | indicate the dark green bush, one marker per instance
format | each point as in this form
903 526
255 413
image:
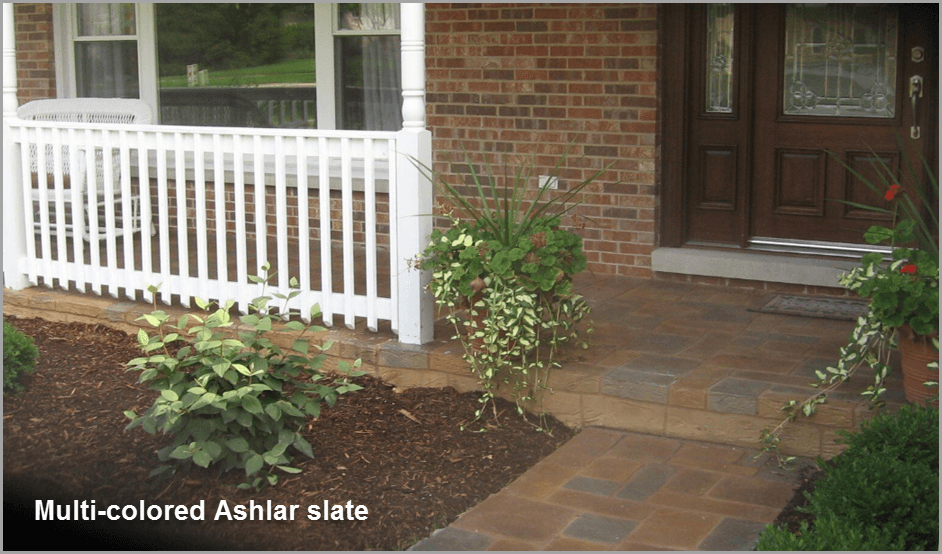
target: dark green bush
882 493
829 533
19 357
910 435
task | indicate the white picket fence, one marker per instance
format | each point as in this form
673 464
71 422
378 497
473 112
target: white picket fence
171 178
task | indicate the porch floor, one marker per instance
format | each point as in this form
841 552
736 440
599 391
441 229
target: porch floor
671 397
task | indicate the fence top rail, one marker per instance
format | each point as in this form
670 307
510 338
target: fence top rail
16 122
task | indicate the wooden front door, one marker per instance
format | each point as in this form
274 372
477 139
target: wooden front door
777 99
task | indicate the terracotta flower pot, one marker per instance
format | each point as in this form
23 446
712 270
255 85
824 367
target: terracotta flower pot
917 352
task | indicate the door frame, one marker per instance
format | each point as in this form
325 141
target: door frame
674 80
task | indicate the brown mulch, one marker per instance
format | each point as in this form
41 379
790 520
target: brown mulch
401 454
793 514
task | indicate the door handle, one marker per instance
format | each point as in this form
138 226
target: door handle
915 93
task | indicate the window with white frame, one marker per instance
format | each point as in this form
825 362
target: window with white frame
104 50
246 65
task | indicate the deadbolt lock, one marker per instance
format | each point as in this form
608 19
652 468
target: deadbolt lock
918 54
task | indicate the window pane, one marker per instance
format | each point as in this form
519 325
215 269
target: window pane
245 65
719 53
107 69
369 83
840 60
99 20
367 17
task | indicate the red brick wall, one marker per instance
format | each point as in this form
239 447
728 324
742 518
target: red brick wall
35 52
524 81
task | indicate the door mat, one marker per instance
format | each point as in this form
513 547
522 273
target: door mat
807 306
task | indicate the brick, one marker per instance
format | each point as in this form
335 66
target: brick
622 413
645 448
542 480
733 534
659 364
568 544
637 385
599 529
720 508
645 482
611 468
592 485
691 481
450 538
408 378
395 354
565 406
738 396
753 491
675 528
513 516
601 505
505 545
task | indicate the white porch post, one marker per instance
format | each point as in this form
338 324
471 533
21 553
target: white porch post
14 237
414 200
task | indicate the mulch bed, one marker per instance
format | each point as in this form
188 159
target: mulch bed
792 515
401 454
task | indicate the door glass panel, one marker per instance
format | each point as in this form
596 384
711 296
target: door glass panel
840 60
719 52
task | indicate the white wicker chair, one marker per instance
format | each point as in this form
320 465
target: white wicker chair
87 110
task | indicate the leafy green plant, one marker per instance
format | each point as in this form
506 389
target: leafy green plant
882 493
881 490
19 358
830 533
910 435
234 403
503 272
903 290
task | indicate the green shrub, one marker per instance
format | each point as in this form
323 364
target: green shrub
882 493
910 435
19 357
232 403
829 533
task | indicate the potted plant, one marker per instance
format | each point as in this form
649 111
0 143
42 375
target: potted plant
502 270
903 291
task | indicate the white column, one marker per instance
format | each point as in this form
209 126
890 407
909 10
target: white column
414 189
412 41
14 236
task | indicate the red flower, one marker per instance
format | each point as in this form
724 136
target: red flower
908 268
894 189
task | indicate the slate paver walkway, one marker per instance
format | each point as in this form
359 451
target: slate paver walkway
617 490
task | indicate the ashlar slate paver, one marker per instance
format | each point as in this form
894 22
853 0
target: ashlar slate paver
733 534
591 485
645 482
450 538
736 396
596 528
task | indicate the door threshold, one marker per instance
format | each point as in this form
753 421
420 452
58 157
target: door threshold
816 248
753 265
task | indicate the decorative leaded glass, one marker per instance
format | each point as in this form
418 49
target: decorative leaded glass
719 54
840 60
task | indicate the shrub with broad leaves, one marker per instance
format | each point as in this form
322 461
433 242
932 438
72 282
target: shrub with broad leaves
234 403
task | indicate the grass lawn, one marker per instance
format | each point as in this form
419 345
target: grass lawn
286 72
